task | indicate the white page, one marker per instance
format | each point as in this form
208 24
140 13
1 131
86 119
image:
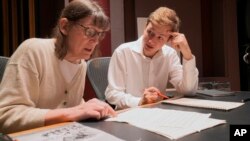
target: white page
209 123
170 123
210 104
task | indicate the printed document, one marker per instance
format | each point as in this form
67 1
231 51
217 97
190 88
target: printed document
173 124
70 132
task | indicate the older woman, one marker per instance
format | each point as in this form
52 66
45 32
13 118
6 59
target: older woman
45 78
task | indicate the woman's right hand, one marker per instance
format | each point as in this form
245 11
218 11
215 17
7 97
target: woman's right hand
93 108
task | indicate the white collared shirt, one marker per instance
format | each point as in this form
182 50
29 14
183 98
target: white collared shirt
130 72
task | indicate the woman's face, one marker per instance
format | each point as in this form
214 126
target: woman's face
154 37
82 39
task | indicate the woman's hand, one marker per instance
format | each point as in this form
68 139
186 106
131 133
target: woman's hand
93 108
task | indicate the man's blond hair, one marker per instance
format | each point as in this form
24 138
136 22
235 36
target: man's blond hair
165 16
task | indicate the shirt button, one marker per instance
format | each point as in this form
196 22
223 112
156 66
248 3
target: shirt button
64 103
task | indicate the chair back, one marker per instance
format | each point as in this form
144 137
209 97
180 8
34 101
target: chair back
97 72
3 61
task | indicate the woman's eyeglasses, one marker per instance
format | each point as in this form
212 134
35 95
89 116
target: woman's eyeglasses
91 33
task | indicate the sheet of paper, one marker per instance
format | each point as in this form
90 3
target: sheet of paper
69 132
170 123
202 103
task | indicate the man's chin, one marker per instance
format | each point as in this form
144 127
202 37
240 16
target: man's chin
146 50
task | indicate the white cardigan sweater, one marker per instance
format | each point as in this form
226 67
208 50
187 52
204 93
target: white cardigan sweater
33 83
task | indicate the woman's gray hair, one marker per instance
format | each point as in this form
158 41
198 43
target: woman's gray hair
74 11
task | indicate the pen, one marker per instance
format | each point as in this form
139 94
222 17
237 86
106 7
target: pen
245 100
159 94
163 96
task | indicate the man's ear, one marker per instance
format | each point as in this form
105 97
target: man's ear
246 57
63 26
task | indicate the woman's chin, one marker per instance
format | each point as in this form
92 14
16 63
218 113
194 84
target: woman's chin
86 58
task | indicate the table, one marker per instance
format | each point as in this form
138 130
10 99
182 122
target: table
240 115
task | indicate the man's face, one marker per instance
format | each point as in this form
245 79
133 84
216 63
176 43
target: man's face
154 37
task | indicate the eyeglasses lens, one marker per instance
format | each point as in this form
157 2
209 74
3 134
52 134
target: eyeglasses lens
90 32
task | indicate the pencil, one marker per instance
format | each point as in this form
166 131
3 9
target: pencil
163 96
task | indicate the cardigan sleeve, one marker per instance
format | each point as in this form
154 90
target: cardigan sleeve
19 92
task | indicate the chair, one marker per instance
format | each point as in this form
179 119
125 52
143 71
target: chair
3 61
97 71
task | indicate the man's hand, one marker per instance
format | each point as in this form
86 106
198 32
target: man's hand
179 42
150 95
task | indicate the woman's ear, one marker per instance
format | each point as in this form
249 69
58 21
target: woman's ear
63 26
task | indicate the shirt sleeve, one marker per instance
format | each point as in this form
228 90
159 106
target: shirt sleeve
184 77
116 90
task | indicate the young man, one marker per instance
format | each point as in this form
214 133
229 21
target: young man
139 71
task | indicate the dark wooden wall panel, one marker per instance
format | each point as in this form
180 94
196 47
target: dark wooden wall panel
18 23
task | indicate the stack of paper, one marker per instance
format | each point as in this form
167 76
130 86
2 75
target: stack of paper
202 103
170 123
